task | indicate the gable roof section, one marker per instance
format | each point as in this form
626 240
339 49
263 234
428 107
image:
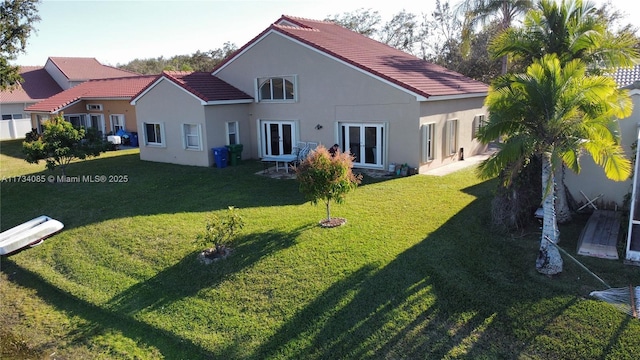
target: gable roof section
82 69
103 89
37 84
417 76
208 89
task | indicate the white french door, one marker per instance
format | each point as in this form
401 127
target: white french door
277 137
365 142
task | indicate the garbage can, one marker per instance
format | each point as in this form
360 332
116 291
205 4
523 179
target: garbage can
134 139
235 154
220 156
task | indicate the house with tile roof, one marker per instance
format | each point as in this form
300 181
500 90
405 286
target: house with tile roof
591 182
103 104
304 80
42 82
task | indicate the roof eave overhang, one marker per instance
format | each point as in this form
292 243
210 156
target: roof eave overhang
455 97
229 102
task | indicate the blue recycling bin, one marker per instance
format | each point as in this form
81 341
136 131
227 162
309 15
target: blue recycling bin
220 156
134 139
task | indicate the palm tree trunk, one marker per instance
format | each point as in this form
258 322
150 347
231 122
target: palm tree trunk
549 261
562 205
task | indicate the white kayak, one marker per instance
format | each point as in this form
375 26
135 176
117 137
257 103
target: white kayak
30 233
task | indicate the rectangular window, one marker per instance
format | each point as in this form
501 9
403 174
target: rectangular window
428 131
13 116
94 107
192 138
76 120
117 123
452 136
154 134
277 89
479 121
232 133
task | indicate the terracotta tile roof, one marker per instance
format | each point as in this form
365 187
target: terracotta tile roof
627 76
405 70
82 69
37 84
205 86
118 88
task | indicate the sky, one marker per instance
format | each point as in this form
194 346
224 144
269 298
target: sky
119 31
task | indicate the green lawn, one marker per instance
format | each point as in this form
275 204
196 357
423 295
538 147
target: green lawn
415 272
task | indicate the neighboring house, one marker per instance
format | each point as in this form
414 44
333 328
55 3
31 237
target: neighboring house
314 81
39 83
592 181
102 104
71 71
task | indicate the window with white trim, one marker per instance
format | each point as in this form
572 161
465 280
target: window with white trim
428 131
76 120
232 133
13 116
277 89
452 136
117 123
154 134
479 121
192 138
94 107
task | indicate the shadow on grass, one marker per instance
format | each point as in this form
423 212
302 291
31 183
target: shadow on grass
177 282
100 320
451 295
189 276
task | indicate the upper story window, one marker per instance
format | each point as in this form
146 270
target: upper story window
281 88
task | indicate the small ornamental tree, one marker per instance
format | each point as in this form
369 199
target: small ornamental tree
220 231
60 143
327 177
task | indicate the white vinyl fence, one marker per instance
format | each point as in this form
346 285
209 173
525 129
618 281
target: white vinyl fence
14 128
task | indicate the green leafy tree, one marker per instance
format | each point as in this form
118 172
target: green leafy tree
60 143
325 177
363 21
554 111
482 12
198 61
17 18
220 231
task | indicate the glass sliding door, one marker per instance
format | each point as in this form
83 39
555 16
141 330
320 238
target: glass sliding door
365 142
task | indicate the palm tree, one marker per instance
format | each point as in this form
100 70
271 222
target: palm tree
572 30
483 11
554 111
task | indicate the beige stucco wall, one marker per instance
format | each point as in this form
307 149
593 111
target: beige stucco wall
170 105
330 93
216 118
592 180
465 111
57 75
